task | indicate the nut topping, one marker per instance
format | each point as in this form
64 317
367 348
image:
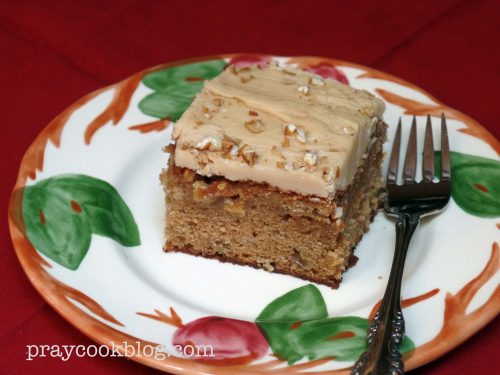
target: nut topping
311 158
301 135
317 81
206 113
209 143
248 154
218 102
327 174
303 89
255 126
276 152
228 143
170 148
288 166
233 152
246 79
299 165
291 129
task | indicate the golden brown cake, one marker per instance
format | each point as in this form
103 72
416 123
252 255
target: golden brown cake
275 168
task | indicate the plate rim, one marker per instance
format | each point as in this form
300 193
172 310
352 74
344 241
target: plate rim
103 333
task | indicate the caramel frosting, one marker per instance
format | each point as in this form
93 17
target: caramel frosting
277 125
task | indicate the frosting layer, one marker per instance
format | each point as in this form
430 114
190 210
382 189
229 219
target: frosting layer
277 125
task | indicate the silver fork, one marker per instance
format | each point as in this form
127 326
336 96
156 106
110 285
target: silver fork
408 202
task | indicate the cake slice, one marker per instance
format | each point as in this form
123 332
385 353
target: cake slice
275 168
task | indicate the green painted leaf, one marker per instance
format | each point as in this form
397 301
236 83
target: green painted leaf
162 79
475 183
304 303
296 326
176 87
62 212
162 105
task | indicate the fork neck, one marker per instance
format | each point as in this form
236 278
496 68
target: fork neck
405 227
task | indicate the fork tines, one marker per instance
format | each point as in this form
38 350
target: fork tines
428 164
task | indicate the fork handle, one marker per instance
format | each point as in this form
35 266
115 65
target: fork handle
387 328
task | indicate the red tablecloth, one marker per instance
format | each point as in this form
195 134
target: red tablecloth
53 52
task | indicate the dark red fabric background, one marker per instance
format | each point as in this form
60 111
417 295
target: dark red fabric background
53 52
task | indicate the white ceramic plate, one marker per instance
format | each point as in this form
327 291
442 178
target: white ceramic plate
86 219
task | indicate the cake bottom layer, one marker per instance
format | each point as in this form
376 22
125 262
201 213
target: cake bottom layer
257 225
